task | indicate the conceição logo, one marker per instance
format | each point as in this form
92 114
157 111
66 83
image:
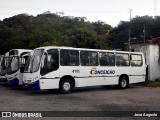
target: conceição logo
95 71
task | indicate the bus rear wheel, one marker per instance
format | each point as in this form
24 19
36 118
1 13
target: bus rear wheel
65 86
123 82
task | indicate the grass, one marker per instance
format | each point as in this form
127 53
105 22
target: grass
152 84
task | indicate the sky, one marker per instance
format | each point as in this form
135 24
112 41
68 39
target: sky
109 11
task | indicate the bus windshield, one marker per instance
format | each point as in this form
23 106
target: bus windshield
3 67
33 61
13 65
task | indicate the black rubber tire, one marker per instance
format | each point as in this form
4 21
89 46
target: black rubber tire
65 86
123 82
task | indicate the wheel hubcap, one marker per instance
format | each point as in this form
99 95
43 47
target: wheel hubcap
123 83
66 86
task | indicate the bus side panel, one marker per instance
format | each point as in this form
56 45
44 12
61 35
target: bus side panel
136 79
88 81
109 74
50 80
110 80
137 74
72 71
49 83
88 76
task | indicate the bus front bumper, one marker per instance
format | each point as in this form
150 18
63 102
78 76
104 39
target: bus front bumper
35 85
14 81
3 80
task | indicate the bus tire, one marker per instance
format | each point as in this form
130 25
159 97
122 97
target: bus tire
65 86
123 82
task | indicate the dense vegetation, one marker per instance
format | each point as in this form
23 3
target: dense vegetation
27 31
138 25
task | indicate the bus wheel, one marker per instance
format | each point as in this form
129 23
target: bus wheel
65 86
123 82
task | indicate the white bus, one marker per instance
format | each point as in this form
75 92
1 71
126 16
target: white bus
64 68
14 72
1 57
3 67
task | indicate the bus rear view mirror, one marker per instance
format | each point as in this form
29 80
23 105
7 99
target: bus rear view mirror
23 61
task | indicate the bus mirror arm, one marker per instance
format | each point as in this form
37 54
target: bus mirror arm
22 61
22 69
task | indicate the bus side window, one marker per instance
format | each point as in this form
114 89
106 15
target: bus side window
69 57
122 59
89 58
107 59
136 60
84 58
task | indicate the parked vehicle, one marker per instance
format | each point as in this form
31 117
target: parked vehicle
3 67
64 68
14 74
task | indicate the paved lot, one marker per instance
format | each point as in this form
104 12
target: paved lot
135 98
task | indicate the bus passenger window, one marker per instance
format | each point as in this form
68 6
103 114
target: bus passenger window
107 59
136 60
122 60
69 57
89 58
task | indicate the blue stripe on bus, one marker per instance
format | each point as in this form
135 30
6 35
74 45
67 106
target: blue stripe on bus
34 85
14 81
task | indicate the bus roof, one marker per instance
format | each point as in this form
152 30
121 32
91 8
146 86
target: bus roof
19 51
87 49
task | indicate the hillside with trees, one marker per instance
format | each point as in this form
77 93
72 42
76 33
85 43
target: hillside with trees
138 25
26 31
46 29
